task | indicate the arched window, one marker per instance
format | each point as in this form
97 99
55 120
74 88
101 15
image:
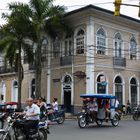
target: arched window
15 91
101 41
67 49
33 88
101 84
118 45
133 48
133 89
80 40
119 89
2 92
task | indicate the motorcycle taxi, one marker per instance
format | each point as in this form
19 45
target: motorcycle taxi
102 114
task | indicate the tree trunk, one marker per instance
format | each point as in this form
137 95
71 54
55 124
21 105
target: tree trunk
19 77
38 70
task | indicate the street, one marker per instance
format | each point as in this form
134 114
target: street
127 130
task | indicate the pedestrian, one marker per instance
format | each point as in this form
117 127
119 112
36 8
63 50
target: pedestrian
128 107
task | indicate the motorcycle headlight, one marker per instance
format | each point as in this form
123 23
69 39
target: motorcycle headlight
9 119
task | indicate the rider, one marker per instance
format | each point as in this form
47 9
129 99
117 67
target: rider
42 106
55 104
107 109
31 113
93 108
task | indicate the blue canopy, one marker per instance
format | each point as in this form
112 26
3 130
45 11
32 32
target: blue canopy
99 96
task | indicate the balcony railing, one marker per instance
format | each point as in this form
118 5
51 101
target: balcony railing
119 62
4 70
66 60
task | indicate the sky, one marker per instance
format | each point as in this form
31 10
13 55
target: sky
75 4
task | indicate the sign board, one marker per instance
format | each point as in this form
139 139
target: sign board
102 79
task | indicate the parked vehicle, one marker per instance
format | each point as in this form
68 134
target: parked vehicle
5 110
16 124
58 116
85 118
136 113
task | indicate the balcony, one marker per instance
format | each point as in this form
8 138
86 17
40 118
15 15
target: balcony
66 60
119 62
5 70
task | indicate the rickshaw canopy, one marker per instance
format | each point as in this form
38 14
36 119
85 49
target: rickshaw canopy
98 96
11 103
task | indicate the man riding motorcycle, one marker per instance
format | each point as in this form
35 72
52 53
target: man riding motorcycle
31 114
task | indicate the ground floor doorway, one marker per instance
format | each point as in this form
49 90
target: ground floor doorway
67 100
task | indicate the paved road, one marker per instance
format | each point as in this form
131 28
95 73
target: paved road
127 130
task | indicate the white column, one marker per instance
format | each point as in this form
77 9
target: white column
49 76
90 56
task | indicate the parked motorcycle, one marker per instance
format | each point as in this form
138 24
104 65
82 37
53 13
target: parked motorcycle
16 124
3 117
136 114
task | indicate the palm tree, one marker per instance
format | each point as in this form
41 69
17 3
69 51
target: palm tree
44 16
12 40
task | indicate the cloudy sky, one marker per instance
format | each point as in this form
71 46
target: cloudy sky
74 4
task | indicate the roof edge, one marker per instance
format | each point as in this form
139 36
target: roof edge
100 9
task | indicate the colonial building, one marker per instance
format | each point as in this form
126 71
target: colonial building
101 56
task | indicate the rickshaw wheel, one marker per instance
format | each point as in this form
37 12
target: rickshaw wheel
82 122
115 121
99 122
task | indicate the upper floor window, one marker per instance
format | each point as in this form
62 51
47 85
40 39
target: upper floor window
118 45
80 40
101 41
67 49
133 48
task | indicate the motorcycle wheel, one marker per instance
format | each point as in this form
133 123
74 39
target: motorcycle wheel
61 120
99 122
42 135
8 137
82 122
115 121
135 117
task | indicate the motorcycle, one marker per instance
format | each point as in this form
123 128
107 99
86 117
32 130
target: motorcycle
58 116
16 124
136 114
3 117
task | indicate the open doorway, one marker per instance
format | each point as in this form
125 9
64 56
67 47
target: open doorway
67 100
67 83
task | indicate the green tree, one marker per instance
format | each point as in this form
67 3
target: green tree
45 18
13 40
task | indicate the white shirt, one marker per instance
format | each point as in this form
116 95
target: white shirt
55 106
117 104
33 109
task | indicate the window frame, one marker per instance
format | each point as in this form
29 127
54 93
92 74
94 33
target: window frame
80 48
134 56
102 51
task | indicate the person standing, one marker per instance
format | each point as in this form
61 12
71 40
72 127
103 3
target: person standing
128 107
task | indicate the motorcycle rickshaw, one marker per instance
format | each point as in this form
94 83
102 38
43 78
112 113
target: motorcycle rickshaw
85 118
